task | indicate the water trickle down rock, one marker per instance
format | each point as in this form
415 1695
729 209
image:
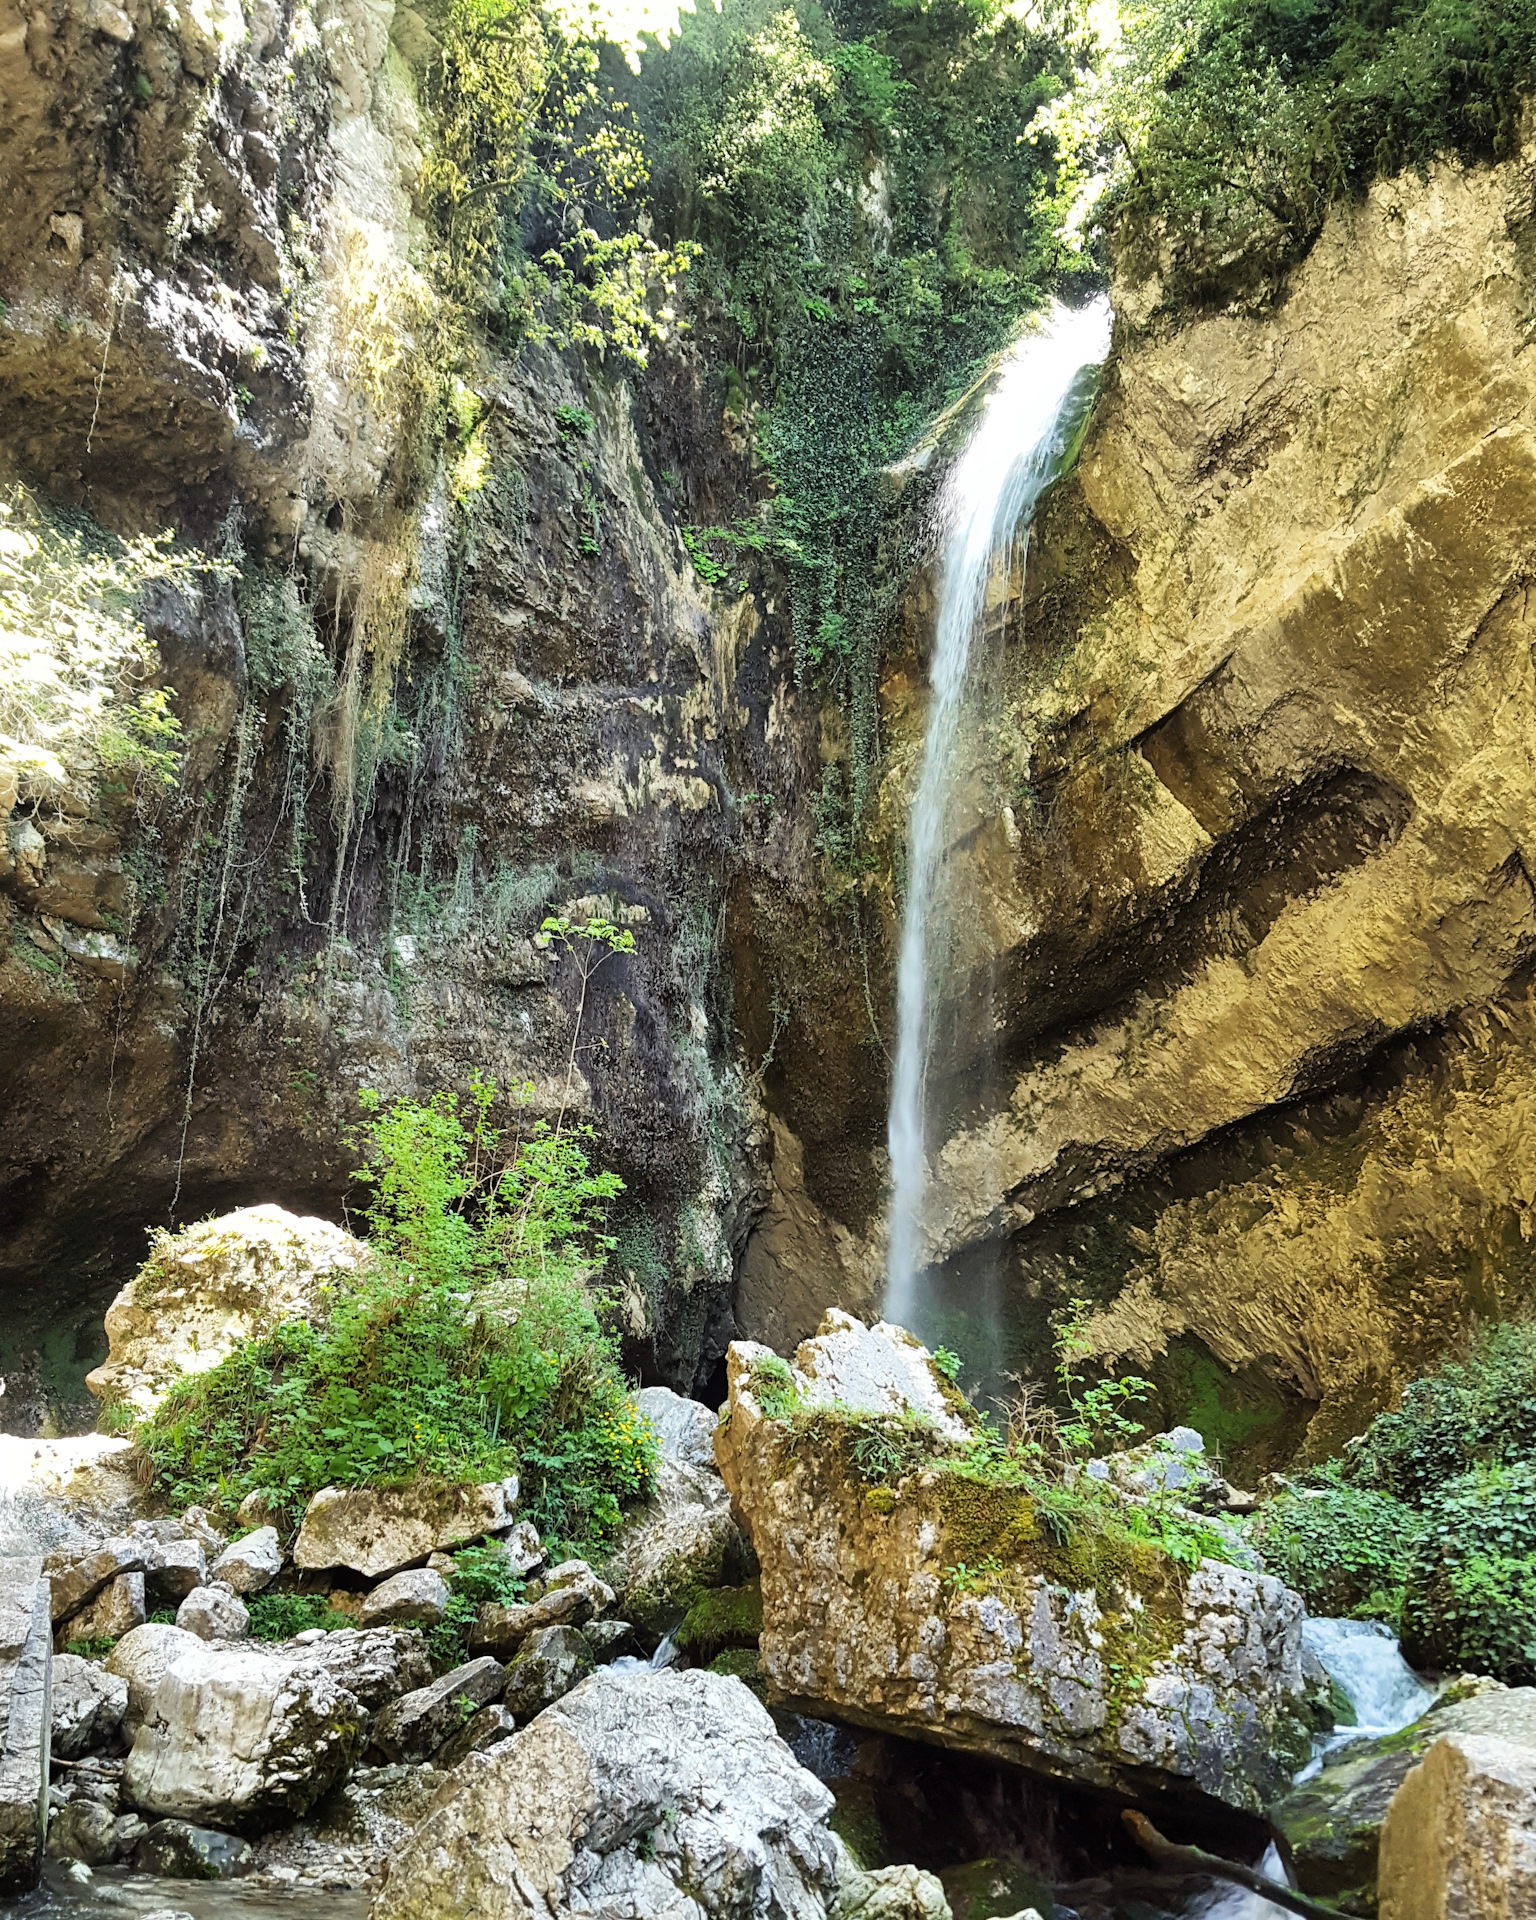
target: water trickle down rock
1179 1689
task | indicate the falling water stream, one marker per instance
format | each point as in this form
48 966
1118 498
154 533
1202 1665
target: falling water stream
988 502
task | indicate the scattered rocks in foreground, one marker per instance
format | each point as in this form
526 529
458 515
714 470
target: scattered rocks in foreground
176 1850
631 1793
414 1726
569 1595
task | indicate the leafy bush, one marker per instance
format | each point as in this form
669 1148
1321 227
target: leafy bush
279 1616
472 1349
842 327
1470 1600
479 1574
1239 121
1344 1549
1478 1411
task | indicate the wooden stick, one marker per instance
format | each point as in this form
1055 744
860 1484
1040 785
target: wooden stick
1197 1860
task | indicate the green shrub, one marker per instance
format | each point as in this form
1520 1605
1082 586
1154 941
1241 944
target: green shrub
472 1349
1478 1411
1470 1599
279 1616
479 1574
1344 1549
1238 122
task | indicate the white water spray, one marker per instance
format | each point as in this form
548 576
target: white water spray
989 499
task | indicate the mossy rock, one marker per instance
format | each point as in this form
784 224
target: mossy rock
741 1663
856 1821
989 1889
726 1617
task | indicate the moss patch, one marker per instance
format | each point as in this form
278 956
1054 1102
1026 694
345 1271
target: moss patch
724 1617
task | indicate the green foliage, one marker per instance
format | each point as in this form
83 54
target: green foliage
1098 1420
947 1362
533 164
472 1347
279 1616
74 657
480 1574
1239 121
876 208
573 421
1470 1599
723 1617
1342 1548
1478 1411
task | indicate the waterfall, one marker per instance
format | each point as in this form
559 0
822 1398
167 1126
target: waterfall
988 500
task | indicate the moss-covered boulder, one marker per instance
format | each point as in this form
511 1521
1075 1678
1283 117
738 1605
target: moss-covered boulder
907 1588
1332 1824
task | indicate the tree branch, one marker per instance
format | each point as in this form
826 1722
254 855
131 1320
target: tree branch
1196 1860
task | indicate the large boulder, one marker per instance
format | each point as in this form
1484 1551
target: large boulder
376 1531
248 1740
143 1658
926 1601
414 1726
419 1597
214 1612
1459 1838
638 1793
205 1289
76 1578
88 1706
678 1545
684 1429
1332 1823
116 1610
26 1671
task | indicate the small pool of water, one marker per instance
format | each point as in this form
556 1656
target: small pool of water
112 1893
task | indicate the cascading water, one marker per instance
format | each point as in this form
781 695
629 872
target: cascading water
989 499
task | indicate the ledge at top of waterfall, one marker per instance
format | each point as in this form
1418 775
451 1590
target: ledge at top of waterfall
906 1588
1020 443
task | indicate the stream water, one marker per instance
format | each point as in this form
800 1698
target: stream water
988 502
1386 1695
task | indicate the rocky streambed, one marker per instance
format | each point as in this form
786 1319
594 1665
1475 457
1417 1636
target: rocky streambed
853 1659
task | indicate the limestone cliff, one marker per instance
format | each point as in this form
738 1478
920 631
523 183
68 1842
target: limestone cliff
1248 1059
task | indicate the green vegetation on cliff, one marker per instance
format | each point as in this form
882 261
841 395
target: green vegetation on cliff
472 1349
1240 121
1429 1519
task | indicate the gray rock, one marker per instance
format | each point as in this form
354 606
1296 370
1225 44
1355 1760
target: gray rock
214 1612
416 1725
1460 1835
250 1563
419 1596
522 1547
179 1568
26 1671
679 1545
84 1830
76 1578
1332 1824
241 1739
88 1706
487 1729
893 1893
550 1663
639 1793
127 1830
142 1658
376 1531
116 1610
568 1596
375 1667
609 1638
176 1850
203 1531
684 1429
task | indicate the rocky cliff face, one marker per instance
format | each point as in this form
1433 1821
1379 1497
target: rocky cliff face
424 705
1248 1061
1250 849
